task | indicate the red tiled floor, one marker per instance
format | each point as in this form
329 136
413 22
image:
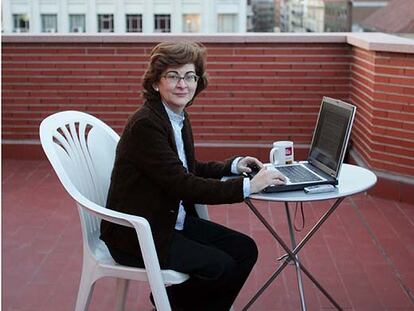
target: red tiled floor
364 253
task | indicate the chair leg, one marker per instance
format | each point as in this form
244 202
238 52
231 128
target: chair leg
121 293
161 299
86 288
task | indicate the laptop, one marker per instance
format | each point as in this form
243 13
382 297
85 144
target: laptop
327 151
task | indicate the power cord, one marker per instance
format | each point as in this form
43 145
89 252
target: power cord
299 229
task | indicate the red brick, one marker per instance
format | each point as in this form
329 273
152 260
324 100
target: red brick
398 151
395 61
70 50
275 66
362 71
343 67
20 58
388 106
409 72
100 51
389 88
220 51
227 59
408 90
334 80
248 51
363 64
360 53
408 126
394 138
392 123
122 73
405 99
400 116
389 70
382 79
306 66
401 80
53 72
41 66
70 65
321 51
336 73
396 168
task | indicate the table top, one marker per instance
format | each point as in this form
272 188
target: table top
352 180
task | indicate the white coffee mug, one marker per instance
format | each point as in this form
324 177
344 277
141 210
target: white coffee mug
282 153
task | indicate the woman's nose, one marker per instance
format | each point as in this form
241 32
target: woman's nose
181 83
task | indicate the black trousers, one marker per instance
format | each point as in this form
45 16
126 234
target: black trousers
218 260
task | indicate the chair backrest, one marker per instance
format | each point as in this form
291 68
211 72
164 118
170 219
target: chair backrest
81 149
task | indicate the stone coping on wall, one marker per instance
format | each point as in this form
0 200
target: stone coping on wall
376 41
368 41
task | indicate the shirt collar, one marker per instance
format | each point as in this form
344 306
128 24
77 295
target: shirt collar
174 117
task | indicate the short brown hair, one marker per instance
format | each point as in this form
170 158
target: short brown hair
174 54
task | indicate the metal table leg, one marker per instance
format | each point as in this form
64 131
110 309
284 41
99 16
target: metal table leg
292 254
297 262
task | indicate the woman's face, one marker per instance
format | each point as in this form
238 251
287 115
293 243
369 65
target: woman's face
177 86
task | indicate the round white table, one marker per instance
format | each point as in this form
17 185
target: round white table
352 180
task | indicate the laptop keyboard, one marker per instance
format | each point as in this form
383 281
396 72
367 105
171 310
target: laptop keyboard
297 173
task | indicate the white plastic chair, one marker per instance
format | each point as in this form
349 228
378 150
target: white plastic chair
81 149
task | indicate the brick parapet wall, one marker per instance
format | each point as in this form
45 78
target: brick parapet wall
382 87
262 89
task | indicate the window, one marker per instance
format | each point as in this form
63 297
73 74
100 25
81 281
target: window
162 23
49 22
20 23
77 23
134 23
191 23
227 23
105 23
249 24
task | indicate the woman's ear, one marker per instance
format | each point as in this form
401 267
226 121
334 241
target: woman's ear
155 87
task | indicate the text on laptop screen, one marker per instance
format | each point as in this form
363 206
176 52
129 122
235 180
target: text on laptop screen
330 135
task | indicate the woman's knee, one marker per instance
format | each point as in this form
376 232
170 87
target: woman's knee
217 268
254 252
249 248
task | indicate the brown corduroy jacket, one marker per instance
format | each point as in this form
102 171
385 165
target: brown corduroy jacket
149 180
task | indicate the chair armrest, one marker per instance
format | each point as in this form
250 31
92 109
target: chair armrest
146 243
202 211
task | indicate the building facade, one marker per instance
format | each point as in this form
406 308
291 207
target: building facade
361 9
326 15
297 11
263 16
338 16
123 16
284 15
314 21
277 14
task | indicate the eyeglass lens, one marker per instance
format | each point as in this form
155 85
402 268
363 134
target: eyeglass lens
174 78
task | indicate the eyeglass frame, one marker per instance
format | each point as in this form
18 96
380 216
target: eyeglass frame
196 78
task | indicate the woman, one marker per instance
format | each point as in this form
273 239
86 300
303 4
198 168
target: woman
156 176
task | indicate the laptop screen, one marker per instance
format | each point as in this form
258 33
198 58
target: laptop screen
331 135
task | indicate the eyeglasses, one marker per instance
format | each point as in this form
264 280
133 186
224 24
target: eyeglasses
173 78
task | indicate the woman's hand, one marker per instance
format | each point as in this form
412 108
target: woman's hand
248 165
265 178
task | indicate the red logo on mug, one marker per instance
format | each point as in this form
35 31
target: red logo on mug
288 151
